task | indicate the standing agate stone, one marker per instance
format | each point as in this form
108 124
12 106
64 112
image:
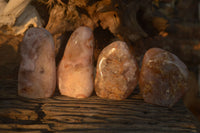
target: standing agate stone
75 71
37 72
117 72
163 77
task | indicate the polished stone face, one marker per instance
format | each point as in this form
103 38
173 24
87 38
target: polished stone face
75 71
117 72
163 77
37 72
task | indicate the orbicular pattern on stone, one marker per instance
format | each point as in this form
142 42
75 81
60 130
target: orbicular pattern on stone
117 72
163 77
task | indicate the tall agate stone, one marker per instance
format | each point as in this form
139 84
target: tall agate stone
163 77
37 72
117 72
75 71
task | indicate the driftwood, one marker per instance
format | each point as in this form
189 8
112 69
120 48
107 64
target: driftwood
17 16
120 18
63 114
130 21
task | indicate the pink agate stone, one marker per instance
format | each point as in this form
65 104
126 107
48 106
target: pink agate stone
163 77
37 72
75 71
117 72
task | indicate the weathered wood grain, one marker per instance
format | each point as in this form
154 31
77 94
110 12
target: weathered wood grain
199 72
64 114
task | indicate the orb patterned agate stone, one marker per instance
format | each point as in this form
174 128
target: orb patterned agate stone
75 71
37 72
163 77
117 72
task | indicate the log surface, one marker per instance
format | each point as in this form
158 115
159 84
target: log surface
64 114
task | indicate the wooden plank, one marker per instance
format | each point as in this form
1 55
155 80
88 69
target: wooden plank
61 114
199 77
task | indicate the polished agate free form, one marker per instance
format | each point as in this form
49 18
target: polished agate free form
75 71
37 72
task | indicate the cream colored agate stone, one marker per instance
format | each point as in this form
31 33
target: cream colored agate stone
75 71
163 77
37 72
117 72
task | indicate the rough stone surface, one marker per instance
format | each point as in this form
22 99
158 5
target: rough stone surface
75 71
37 72
117 72
163 77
